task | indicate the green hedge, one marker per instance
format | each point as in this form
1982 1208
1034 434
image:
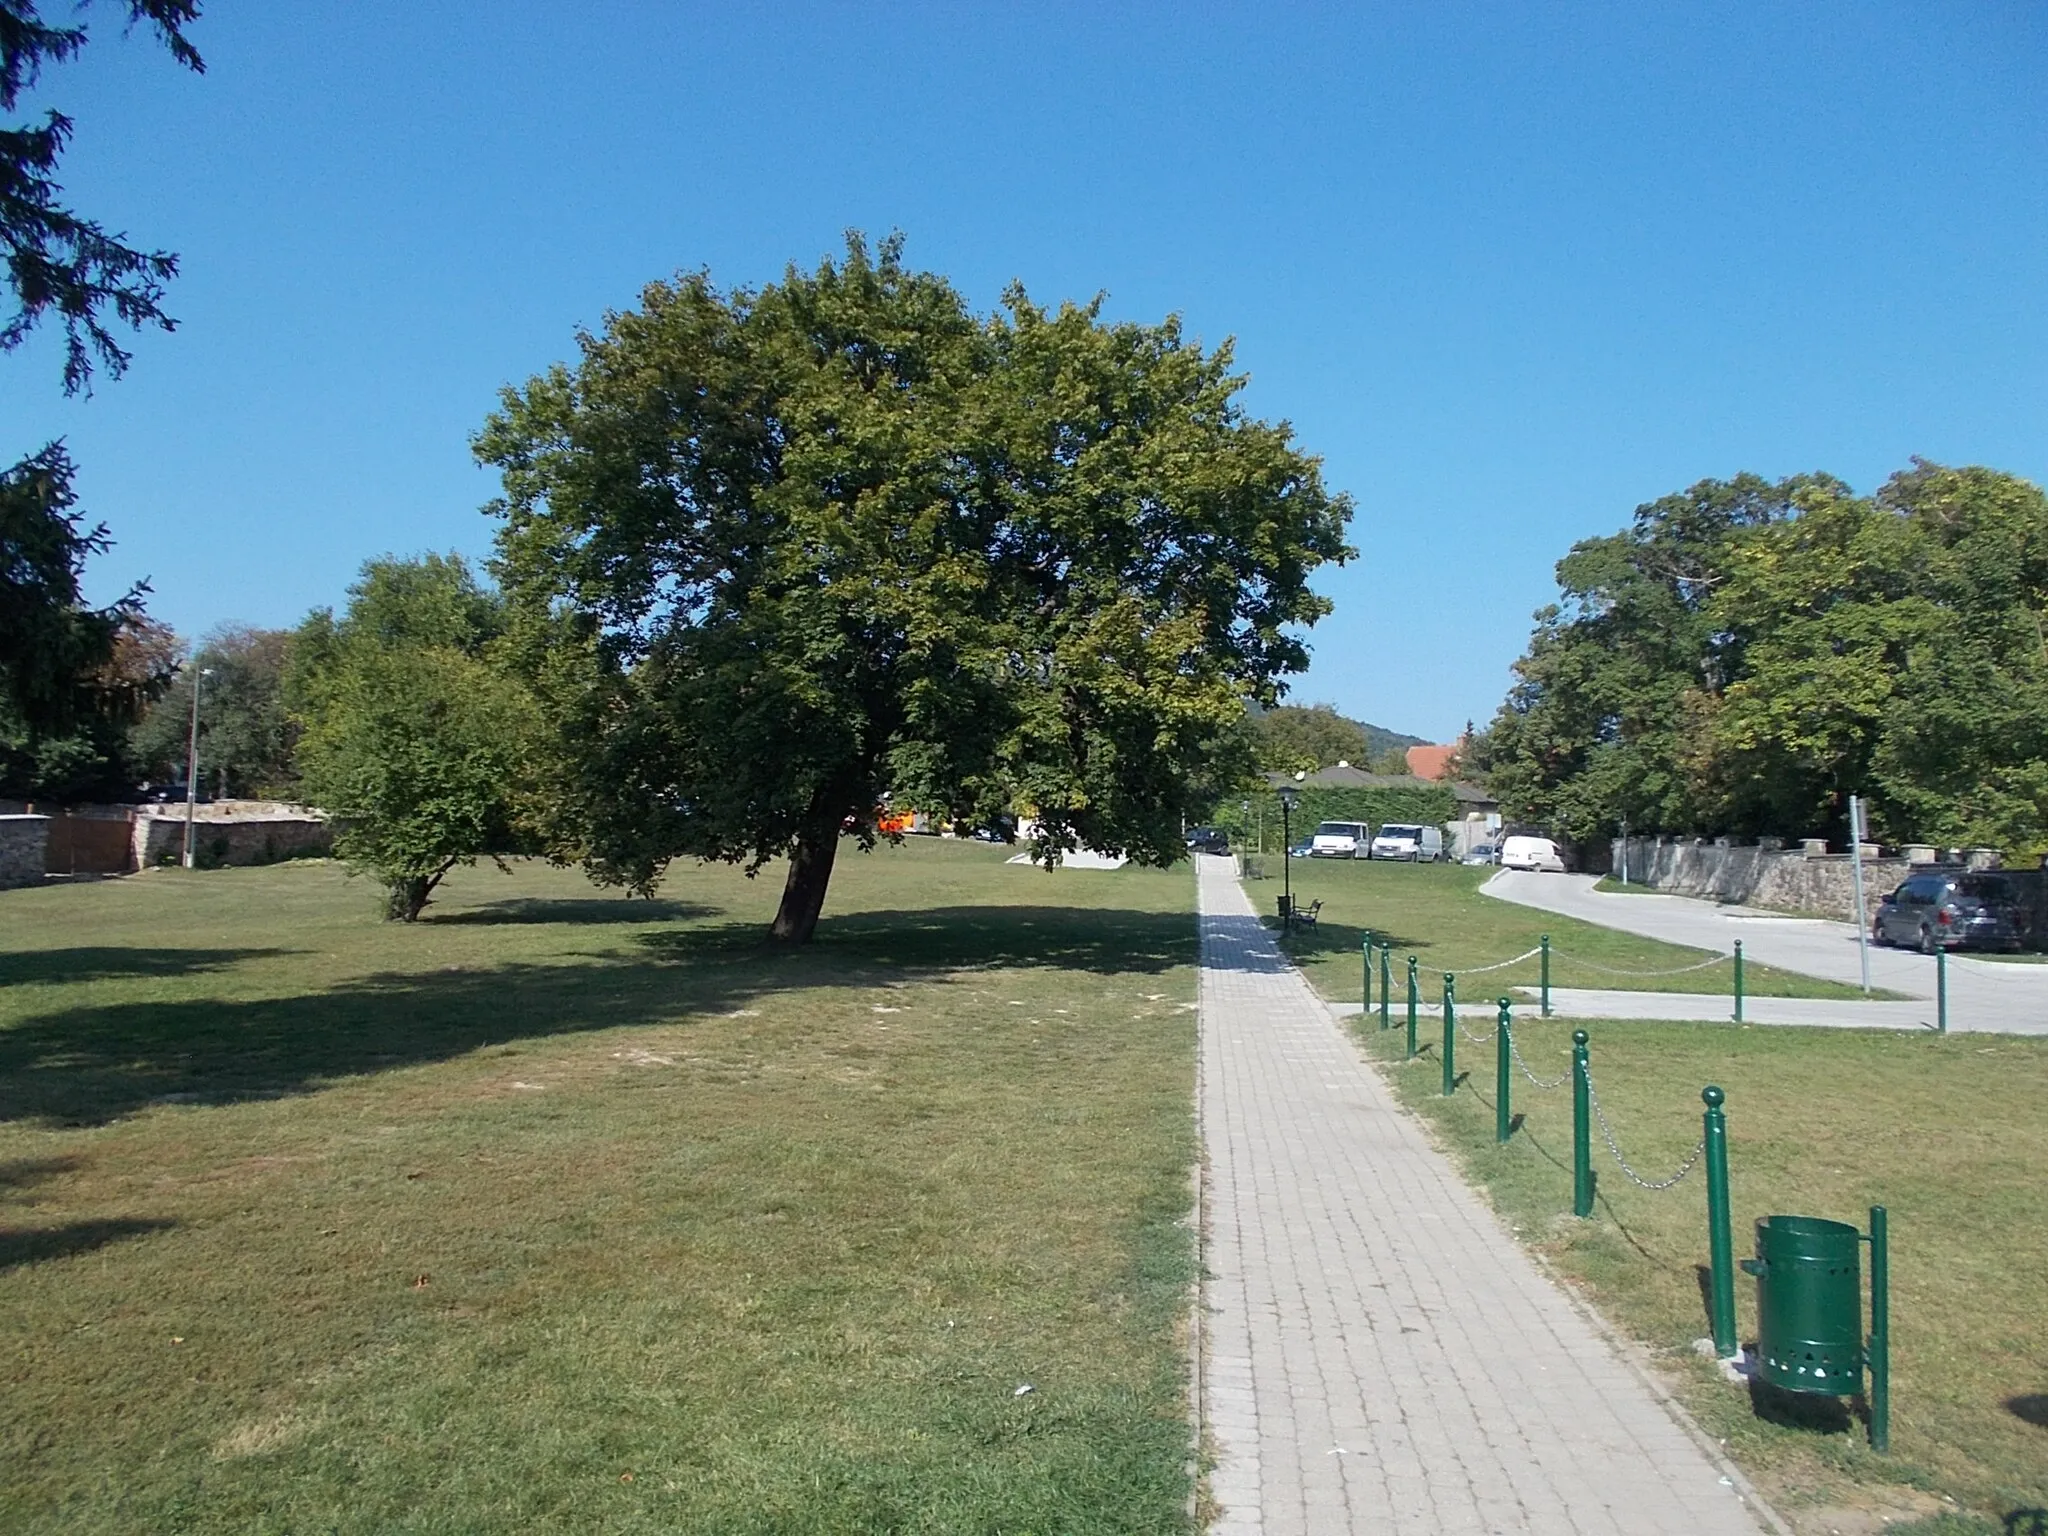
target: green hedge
1424 804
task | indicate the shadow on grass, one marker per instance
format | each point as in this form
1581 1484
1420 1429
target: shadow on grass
584 912
86 1066
32 1245
98 962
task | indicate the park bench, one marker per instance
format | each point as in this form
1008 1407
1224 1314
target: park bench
1303 916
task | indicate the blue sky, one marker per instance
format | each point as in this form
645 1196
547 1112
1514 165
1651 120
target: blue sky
1511 270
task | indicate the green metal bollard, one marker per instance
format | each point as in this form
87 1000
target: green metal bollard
1582 1127
1503 1046
1720 1241
1738 981
1386 983
1940 994
1365 1011
1411 1007
1450 1034
1546 975
1880 1333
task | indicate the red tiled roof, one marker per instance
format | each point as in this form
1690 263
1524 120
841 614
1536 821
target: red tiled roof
1430 762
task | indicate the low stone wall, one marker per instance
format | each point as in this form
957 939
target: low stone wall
1791 879
219 840
24 843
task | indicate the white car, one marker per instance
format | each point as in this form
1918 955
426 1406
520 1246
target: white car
1531 853
1417 845
1341 840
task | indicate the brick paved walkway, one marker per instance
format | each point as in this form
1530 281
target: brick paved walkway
1377 1353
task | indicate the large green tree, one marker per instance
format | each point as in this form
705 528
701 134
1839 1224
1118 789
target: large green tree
416 740
780 554
1748 655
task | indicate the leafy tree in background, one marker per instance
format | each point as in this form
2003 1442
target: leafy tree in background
1305 737
246 736
416 741
72 678
1749 655
779 554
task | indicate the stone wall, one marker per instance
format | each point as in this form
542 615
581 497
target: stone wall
24 842
1806 879
222 839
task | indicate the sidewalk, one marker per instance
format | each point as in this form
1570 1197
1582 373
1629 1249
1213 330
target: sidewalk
1378 1353
1984 996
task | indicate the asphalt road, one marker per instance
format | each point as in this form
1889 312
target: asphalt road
1984 996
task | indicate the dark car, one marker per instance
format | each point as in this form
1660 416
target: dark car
1951 910
1208 840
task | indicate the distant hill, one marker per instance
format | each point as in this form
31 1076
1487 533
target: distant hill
1295 736
1378 738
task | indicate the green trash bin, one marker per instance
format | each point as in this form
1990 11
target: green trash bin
1809 1305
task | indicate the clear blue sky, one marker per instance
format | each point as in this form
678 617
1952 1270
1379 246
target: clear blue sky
1511 270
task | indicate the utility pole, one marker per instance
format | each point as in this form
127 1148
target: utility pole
192 764
1856 865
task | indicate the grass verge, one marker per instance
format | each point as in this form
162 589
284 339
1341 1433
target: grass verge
1948 1134
1435 912
562 1212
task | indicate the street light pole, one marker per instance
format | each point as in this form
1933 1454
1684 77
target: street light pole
192 764
1288 795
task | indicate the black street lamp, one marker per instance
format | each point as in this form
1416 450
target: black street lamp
1288 795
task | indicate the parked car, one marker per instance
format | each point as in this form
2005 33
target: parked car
1416 845
1341 840
1208 840
1302 849
1531 853
1951 910
1482 853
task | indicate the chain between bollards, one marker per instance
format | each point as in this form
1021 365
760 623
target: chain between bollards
1544 946
1503 1050
1738 981
1720 1240
1386 982
1582 1127
1411 1007
1450 1053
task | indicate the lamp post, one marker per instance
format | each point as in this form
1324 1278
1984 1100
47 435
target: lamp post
192 764
1288 795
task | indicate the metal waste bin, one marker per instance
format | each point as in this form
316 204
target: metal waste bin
1809 1304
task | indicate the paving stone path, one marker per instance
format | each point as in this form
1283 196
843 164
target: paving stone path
1377 1353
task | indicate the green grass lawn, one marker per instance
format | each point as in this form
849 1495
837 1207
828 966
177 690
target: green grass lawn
1434 912
562 1212
1949 1134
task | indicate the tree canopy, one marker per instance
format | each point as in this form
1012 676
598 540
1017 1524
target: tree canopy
1749 654
246 736
780 555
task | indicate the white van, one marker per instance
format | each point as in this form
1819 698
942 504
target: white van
1341 840
1531 853
1418 845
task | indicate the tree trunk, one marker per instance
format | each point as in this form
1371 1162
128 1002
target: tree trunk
803 893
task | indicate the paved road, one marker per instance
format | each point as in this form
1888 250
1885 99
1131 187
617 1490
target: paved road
1378 1354
1985 996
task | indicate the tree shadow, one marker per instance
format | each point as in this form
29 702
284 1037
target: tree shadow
2029 1407
573 911
33 1245
101 962
24 1172
89 1065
